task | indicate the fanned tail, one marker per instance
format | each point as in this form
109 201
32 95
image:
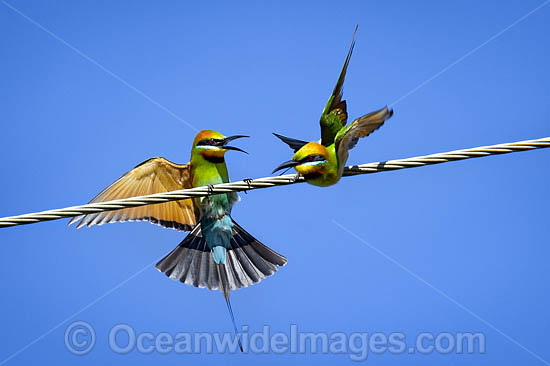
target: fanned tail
247 262
224 288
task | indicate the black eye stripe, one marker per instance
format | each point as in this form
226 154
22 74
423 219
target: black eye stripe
311 158
210 142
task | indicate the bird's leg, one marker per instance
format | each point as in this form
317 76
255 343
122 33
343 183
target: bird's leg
210 189
247 181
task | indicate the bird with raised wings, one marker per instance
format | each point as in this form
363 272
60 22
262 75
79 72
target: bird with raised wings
218 253
322 163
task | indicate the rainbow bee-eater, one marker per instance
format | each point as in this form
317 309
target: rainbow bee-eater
322 163
217 253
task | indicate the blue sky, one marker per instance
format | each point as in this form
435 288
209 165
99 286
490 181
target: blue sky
78 113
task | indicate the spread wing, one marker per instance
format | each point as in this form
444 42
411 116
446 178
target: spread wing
155 175
363 126
335 114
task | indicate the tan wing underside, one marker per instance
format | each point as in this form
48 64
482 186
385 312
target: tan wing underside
155 175
361 127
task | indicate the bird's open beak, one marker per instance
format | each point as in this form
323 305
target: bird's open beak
286 164
231 138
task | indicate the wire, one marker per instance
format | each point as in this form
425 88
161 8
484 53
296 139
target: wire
268 182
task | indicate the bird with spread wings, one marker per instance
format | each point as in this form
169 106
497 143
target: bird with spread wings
322 163
217 253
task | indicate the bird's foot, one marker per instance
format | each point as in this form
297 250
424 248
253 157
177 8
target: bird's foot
247 181
210 189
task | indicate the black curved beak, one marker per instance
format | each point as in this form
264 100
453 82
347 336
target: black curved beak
231 138
286 164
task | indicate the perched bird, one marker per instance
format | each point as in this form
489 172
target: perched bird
322 164
218 253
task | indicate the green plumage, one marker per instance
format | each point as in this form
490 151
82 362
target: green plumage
322 164
216 222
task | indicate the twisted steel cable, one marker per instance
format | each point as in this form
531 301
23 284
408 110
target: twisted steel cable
266 182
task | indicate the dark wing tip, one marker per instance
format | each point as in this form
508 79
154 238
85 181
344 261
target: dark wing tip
338 91
390 112
294 144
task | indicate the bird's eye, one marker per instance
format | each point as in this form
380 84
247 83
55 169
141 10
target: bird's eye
310 158
211 141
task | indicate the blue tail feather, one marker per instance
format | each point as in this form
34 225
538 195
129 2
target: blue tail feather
219 254
218 233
